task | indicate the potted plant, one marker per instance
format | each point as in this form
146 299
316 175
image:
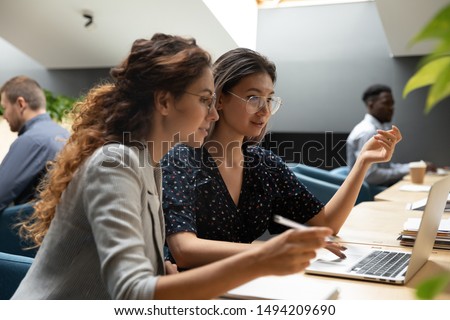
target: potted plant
433 71
58 105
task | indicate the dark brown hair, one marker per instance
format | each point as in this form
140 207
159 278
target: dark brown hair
163 63
28 89
237 64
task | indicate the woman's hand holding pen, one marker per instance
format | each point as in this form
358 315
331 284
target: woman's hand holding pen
332 244
291 251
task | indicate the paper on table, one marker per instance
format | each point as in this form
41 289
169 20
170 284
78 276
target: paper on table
420 204
415 188
291 287
412 224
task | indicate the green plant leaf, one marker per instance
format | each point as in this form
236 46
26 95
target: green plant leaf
426 75
58 106
431 287
434 69
440 89
434 56
437 28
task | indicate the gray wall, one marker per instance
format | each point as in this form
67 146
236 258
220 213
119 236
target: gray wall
68 82
326 56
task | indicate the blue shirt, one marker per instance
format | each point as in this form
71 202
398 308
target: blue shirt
196 199
24 165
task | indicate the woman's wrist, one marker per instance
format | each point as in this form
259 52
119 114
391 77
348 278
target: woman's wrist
362 163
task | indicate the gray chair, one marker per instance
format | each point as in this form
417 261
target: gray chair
10 241
13 269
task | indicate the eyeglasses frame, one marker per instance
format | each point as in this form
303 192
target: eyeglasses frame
213 98
265 105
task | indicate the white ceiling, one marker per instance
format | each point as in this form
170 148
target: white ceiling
52 32
403 19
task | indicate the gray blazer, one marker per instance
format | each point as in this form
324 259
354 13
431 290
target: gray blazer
106 240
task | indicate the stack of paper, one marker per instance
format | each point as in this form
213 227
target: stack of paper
409 233
291 287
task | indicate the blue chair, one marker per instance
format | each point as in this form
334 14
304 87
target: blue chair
316 173
373 189
323 190
330 177
13 269
342 171
10 241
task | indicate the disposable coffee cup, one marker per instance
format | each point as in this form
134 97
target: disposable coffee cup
417 171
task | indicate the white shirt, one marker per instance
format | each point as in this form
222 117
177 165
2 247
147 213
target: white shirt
385 173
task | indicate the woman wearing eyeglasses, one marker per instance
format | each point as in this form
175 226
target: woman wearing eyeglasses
99 223
221 197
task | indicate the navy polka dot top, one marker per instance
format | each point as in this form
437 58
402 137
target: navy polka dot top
196 199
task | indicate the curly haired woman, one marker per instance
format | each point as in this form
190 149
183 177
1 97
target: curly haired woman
99 223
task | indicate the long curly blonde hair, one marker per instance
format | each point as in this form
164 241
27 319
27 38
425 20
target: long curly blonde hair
163 63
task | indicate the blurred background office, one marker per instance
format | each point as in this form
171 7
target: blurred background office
326 56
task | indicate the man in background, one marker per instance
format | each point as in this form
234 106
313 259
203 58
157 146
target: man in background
39 140
380 109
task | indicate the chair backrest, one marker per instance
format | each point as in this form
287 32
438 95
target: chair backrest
316 173
13 269
323 190
10 242
335 176
343 171
368 191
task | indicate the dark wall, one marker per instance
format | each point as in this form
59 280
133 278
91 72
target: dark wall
324 150
326 56
75 82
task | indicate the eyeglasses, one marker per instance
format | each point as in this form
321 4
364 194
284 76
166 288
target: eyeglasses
209 102
256 103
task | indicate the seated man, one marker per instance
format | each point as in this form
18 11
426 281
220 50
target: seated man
39 140
380 109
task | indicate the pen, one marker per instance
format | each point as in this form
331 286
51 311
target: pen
292 224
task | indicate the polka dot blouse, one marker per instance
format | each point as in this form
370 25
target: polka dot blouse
196 199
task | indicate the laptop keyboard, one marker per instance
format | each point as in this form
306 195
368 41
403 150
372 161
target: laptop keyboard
382 263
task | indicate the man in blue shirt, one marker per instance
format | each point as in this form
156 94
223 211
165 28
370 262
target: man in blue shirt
380 110
39 140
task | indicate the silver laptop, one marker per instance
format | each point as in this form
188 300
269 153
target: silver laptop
390 266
